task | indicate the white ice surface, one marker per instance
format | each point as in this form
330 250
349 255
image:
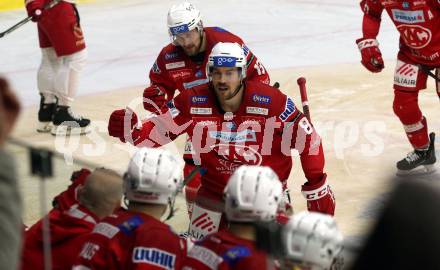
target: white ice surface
124 38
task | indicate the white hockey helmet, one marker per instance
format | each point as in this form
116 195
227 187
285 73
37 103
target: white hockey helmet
313 240
182 18
253 193
153 176
226 54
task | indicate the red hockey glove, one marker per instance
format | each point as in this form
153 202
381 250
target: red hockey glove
371 55
121 124
319 197
154 99
35 9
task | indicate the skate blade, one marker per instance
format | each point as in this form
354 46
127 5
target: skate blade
419 171
44 127
63 130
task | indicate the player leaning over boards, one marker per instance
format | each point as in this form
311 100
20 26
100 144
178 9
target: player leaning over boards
181 65
236 122
418 22
64 54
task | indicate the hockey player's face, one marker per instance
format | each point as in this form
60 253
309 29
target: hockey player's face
225 81
189 41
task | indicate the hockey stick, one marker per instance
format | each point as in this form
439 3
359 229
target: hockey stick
25 20
431 74
185 181
304 100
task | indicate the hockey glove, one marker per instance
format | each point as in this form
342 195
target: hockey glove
154 99
371 55
319 197
122 124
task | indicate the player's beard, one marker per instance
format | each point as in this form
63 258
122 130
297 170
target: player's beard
221 88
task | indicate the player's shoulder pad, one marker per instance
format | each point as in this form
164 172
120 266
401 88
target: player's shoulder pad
235 254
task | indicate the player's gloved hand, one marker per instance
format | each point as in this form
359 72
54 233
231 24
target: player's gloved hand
371 55
154 99
319 197
122 124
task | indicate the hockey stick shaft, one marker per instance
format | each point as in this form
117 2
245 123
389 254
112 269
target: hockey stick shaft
435 76
304 100
26 20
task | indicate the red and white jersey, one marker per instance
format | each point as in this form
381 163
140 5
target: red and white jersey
174 69
418 22
131 240
68 232
222 251
261 132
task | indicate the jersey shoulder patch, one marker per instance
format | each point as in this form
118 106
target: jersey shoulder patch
130 224
235 254
289 109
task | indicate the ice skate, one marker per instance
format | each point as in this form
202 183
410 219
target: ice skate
419 161
45 115
65 122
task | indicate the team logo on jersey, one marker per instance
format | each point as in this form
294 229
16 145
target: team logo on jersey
405 5
233 155
199 99
410 17
261 99
234 137
257 110
175 65
415 36
289 110
156 68
406 74
171 55
154 256
198 110
172 108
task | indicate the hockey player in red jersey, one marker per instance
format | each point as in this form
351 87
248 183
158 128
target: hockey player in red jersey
418 22
233 122
98 197
181 65
64 56
252 194
136 238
